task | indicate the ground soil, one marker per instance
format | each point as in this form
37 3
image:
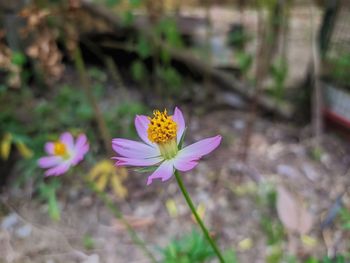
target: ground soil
279 154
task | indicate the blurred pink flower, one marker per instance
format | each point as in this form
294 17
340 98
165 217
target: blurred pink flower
162 136
63 154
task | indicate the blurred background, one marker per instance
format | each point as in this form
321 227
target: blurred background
271 76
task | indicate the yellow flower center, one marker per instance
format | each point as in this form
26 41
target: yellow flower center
60 149
162 129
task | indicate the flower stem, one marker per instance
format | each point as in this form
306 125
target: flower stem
118 214
199 220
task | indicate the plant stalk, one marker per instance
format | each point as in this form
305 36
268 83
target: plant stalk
199 220
101 124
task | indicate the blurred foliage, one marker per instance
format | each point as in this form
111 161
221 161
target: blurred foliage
88 242
165 75
192 248
244 62
345 218
339 68
111 3
171 80
143 47
269 223
279 74
169 32
19 141
316 153
237 37
139 71
325 259
42 119
47 192
120 119
336 259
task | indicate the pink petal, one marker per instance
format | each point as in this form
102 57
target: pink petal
141 125
164 172
81 141
184 165
124 161
58 170
80 149
49 147
79 154
180 121
49 161
133 149
199 149
67 139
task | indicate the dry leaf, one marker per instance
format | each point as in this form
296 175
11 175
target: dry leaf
245 244
200 211
244 189
5 146
308 241
24 150
118 187
134 222
292 213
104 173
171 207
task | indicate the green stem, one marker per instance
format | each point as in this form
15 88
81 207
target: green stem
118 214
199 220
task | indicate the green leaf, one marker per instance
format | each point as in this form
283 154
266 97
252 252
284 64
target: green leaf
138 70
111 3
84 112
97 74
230 256
244 61
165 56
54 211
148 169
171 78
192 248
3 89
135 3
143 47
89 242
47 192
169 30
127 18
18 58
316 153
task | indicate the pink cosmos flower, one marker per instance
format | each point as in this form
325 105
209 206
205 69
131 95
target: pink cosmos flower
63 154
161 146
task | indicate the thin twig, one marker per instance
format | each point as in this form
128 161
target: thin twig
102 126
317 104
258 89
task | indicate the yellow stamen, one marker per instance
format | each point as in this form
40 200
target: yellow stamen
162 129
60 149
